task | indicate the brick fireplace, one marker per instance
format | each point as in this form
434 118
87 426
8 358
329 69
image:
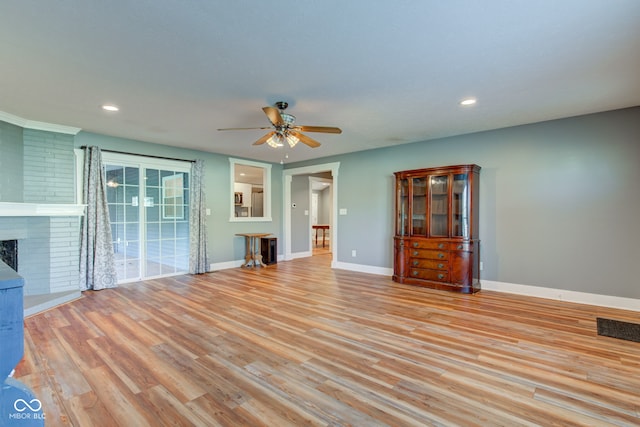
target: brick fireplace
38 193
47 238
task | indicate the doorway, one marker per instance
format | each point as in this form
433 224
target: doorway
320 222
148 206
288 175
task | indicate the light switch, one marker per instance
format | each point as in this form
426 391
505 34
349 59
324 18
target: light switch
343 211
208 211
306 212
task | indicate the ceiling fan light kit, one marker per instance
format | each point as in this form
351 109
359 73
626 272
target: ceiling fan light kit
285 129
277 140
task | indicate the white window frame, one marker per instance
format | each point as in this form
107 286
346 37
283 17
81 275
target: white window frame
266 185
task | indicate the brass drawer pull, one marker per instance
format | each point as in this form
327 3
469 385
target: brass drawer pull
415 253
460 246
440 245
414 273
441 265
440 276
416 262
441 255
415 244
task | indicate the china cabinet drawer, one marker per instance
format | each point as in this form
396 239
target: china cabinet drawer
441 245
428 263
423 273
429 254
461 246
428 244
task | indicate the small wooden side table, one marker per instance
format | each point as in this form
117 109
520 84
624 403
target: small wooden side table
324 228
252 248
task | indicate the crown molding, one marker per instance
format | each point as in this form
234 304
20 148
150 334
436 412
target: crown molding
32 124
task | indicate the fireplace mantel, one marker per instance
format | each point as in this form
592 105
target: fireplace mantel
40 209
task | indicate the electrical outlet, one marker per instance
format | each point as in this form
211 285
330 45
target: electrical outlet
353 253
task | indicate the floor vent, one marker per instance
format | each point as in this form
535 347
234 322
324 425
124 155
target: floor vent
619 329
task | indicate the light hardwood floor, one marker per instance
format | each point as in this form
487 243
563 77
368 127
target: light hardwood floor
298 343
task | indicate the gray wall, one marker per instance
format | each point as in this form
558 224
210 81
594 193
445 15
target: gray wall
223 244
558 200
300 231
324 206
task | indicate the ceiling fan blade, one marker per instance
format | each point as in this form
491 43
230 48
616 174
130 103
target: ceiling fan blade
263 139
323 129
244 128
274 116
306 140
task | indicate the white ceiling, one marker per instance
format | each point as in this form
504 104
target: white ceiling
386 72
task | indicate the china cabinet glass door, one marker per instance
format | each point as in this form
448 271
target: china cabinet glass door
402 224
439 205
460 194
419 206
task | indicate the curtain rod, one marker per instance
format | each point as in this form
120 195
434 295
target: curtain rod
143 155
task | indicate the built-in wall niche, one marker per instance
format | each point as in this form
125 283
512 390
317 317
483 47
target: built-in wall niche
250 193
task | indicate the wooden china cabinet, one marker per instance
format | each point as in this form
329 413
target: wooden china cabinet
436 238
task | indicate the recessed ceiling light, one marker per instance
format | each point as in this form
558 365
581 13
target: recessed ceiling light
110 107
468 101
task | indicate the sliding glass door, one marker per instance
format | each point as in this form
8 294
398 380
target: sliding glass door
148 207
167 222
123 195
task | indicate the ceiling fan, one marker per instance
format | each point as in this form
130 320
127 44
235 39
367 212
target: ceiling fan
285 129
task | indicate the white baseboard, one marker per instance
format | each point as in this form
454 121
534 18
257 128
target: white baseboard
361 268
533 291
225 265
301 254
622 303
563 295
